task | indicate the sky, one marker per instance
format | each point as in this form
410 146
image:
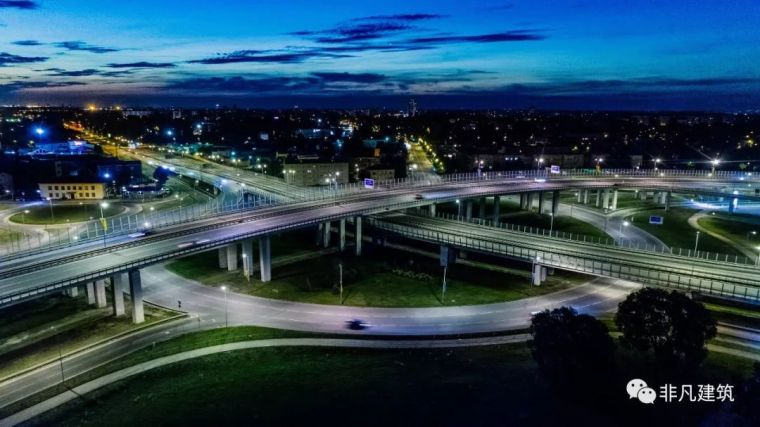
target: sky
560 54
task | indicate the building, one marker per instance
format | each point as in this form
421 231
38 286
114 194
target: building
72 190
381 175
307 174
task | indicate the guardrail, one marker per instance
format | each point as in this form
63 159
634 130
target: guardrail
618 264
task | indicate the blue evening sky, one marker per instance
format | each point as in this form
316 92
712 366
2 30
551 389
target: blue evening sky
556 54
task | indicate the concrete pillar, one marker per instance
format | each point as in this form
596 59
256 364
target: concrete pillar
555 202
320 234
73 291
232 257
614 200
598 201
732 202
579 196
529 202
585 196
117 290
523 201
666 201
135 291
606 200
431 208
468 210
358 234
536 276
247 247
496 209
100 293
265 258
643 195
90 293
541 202
222 257
482 208
342 235
543 273
326 235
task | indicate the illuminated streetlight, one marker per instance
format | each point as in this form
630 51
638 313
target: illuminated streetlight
226 317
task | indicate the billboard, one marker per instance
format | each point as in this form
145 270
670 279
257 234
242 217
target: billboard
554 169
654 219
369 183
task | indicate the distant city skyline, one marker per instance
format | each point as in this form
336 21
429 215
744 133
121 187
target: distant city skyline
634 55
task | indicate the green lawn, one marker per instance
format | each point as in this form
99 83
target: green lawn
65 213
561 223
677 233
35 332
393 279
494 385
740 230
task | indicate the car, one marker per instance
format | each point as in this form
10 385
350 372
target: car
192 243
418 196
357 325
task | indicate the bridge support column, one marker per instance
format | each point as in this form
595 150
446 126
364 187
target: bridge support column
73 291
529 202
606 200
318 238
536 275
431 209
90 293
265 258
232 257
327 228
541 197
482 208
543 273
222 257
614 200
135 290
468 210
117 292
579 196
585 197
666 200
732 202
358 234
555 202
496 209
342 235
100 293
247 247
523 201
598 200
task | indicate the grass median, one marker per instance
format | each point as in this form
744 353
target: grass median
65 213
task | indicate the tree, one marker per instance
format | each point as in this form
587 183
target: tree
573 351
671 326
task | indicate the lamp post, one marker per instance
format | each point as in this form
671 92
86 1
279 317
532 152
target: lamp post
103 205
226 318
23 216
52 216
623 224
459 209
696 242
715 162
656 160
551 223
758 256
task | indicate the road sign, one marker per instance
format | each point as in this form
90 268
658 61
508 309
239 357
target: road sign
369 183
654 219
554 169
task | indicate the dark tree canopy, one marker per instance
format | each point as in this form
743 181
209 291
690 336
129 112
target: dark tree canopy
573 349
671 326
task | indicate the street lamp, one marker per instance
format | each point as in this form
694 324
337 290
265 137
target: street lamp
656 160
551 223
696 242
758 256
103 205
52 216
226 318
623 224
23 216
459 209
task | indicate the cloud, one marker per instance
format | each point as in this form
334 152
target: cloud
7 59
27 43
507 36
409 17
84 47
18 4
265 56
75 73
17 85
348 77
142 64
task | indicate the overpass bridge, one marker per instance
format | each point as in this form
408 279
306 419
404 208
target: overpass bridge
115 254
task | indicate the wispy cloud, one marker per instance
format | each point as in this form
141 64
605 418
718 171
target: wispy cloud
27 43
18 4
507 36
266 56
7 59
82 46
142 64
